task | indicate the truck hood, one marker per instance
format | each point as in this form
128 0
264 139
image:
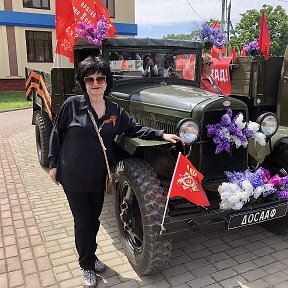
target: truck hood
177 97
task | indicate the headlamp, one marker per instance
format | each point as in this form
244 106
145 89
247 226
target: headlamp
188 130
268 124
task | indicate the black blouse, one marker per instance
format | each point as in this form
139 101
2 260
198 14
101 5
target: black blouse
74 146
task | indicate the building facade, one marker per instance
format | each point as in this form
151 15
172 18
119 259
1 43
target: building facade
28 36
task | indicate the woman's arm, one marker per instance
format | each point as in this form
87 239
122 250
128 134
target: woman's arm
129 127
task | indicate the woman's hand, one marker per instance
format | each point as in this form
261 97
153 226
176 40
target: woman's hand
52 174
172 138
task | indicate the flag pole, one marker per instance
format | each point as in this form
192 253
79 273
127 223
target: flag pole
168 195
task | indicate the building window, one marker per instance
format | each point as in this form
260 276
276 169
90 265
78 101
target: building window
38 4
110 5
39 46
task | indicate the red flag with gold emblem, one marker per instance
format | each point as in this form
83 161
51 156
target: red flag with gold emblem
186 182
64 19
69 13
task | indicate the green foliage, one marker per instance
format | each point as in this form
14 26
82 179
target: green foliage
178 36
193 36
249 27
13 100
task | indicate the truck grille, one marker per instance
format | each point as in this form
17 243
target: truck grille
212 165
169 127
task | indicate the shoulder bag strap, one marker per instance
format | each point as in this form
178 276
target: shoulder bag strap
101 142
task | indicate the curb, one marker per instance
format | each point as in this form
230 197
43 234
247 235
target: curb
16 109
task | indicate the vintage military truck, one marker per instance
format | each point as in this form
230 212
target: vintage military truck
263 86
145 168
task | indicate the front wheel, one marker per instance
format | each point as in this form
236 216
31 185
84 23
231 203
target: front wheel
139 205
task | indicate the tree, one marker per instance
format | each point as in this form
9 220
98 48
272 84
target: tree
193 36
248 29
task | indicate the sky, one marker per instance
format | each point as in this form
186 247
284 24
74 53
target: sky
157 18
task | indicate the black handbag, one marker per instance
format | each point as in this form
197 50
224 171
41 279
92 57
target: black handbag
111 177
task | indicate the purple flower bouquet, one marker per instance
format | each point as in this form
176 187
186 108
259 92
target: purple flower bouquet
252 48
212 36
248 187
231 131
94 35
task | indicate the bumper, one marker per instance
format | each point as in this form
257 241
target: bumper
180 225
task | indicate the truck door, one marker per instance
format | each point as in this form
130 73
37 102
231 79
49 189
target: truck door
282 101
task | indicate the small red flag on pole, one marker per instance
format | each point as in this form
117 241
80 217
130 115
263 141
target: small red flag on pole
186 182
264 37
243 53
233 54
214 50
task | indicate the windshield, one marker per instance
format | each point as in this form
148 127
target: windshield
140 64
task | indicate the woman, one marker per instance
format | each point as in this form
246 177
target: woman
169 67
207 82
76 156
149 68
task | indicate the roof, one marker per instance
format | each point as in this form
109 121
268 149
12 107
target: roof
81 43
144 42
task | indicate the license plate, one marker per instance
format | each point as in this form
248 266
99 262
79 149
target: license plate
246 218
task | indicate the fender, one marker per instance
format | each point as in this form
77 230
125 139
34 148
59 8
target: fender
130 144
261 152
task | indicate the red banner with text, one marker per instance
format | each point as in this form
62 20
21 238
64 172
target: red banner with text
221 72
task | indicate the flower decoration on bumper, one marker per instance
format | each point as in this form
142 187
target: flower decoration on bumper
212 36
248 187
94 35
233 130
252 48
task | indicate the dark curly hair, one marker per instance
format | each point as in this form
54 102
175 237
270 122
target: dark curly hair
91 65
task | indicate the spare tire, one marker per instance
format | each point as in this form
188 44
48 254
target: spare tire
139 207
43 128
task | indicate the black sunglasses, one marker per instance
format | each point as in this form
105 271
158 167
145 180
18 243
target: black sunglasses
91 80
209 63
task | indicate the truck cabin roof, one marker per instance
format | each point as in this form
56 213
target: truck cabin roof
83 49
140 43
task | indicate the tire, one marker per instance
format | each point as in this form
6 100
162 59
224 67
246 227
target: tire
43 128
139 207
278 226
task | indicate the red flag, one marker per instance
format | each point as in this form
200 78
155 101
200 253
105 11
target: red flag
243 53
233 54
214 50
64 19
186 182
215 25
264 37
69 13
102 10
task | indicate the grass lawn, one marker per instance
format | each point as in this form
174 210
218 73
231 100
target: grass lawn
13 100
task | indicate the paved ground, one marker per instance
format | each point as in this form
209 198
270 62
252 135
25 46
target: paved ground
37 244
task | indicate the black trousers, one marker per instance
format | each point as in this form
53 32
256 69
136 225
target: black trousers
86 209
